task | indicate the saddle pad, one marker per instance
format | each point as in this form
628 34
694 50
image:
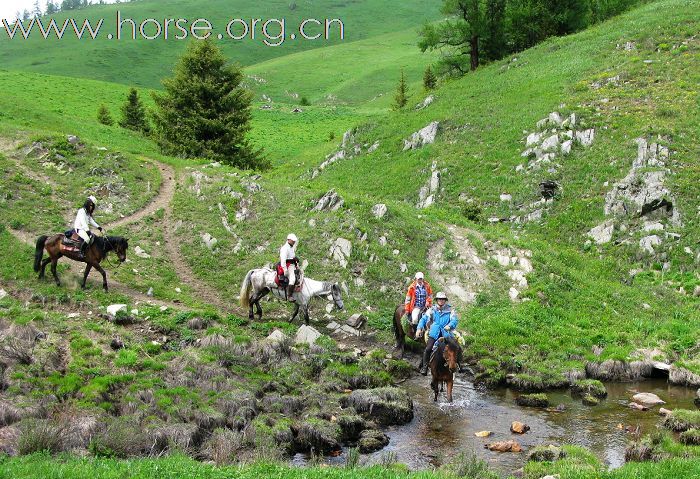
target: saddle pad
69 249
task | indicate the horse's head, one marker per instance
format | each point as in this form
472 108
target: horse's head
120 247
337 298
451 353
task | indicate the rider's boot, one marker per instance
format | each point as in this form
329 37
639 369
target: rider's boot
426 359
83 249
290 293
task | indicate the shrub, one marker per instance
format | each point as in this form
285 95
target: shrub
40 435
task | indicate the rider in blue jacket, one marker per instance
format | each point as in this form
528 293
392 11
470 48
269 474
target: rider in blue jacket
442 320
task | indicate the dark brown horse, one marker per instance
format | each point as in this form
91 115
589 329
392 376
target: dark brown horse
96 252
443 364
401 330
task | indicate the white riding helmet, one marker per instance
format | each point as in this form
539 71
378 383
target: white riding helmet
419 275
440 295
292 236
93 199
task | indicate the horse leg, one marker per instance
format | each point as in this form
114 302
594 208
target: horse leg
296 311
450 383
85 275
104 276
262 294
43 267
251 303
53 271
306 314
434 385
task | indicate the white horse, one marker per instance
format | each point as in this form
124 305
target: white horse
259 282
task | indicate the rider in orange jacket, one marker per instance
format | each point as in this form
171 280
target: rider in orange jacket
418 298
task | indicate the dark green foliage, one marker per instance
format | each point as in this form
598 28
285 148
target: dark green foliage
429 79
691 437
134 113
304 101
204 112
401 97
532 400
103 116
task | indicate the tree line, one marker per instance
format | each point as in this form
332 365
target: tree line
54 6
478 31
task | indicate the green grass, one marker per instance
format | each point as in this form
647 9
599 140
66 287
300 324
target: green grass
104 59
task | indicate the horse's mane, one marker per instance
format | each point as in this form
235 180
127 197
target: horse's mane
108 244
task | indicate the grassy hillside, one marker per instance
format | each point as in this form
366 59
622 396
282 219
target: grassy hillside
102 59
193 374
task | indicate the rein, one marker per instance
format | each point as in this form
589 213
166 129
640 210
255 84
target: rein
106 253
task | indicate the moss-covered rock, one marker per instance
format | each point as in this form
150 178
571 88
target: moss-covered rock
532 400
351 426
691 437
589 400
682 419
372 440
387 406
589 386
546 453
318 435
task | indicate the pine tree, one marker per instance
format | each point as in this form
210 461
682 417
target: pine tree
51 8
37 9
401 97
134 114
103 116
204 111
429 79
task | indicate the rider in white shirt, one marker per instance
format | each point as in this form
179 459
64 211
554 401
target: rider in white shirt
288 261
83 222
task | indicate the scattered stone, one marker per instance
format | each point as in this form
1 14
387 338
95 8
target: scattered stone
664 411
73 140
483 433
113 309
356 321
648 399
423 137
548 453
149 293
585 137
379 210
427 193
349 330
427 102
504 446
138 251
341 250
519 428
602 233
649 242
306 334
548 189
532 400
209 241
278 336
332 325
638 407
331 201
506 197
3 294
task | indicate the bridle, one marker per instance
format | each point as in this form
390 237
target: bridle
112 248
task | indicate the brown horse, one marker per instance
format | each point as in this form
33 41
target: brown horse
443 364
401 331
96 252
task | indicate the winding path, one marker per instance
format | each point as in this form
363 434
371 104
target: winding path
163 199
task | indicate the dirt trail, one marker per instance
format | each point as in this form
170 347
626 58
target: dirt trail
163 199
200 289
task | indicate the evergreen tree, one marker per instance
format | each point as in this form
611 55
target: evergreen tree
134 114
103 116
204 111
51 7
494 40
401 97
37 9
429 79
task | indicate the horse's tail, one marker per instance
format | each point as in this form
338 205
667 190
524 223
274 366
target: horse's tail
244 297
398 328
39 252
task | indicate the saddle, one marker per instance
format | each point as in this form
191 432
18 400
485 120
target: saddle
71 238
282 281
